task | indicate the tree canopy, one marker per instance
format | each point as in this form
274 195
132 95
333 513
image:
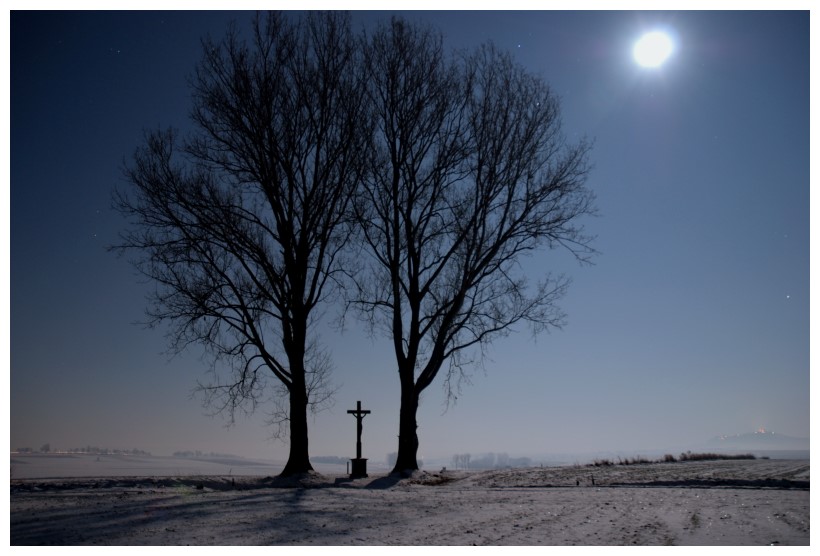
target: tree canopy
438 171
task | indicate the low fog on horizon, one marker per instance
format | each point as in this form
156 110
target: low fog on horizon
693 321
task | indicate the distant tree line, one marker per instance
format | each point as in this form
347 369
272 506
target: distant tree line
489 461
200 454
669 458
108 451
46 448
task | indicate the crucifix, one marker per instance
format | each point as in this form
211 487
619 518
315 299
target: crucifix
359 464
359 413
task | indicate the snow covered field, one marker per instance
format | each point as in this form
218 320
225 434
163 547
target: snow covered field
41 466
746 502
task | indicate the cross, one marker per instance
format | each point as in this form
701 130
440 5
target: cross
359 413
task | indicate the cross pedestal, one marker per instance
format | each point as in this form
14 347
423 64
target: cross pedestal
359 468
359 463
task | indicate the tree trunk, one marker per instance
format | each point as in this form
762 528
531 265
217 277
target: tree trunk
408 438
295 335
298 459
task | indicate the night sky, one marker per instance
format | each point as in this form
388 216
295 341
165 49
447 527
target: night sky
693 321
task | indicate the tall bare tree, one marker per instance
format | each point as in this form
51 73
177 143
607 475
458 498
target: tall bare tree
470 172
242 225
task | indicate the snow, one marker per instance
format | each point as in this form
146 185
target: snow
746 502
30 466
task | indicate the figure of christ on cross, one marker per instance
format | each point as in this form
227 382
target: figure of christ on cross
359 413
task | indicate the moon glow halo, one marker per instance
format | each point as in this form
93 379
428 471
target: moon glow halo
652 49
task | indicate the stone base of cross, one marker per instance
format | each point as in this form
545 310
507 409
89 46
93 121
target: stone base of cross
359 470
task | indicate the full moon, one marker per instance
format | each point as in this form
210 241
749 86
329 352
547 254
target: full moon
652 49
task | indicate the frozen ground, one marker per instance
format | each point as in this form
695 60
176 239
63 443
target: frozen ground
753 502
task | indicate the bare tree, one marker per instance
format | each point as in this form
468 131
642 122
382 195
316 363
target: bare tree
470 173
461 461
242 225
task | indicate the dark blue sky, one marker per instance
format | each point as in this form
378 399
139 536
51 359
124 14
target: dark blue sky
693 322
